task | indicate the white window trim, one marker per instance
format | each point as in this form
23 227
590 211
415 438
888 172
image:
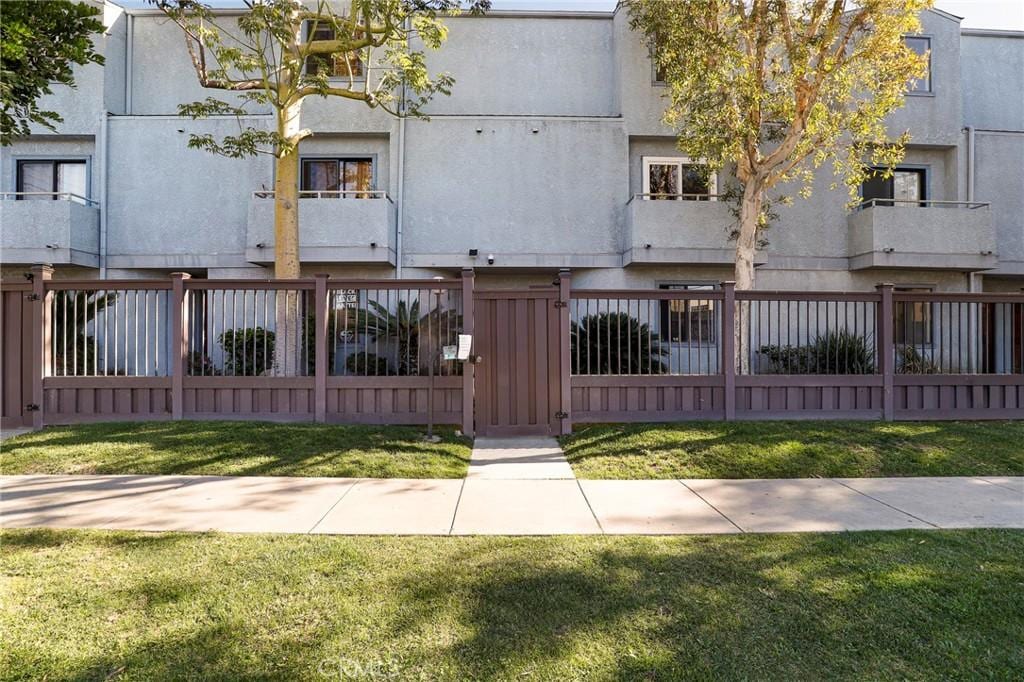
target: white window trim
648 161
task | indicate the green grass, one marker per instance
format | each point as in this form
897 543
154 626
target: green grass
133 606
797 449
237 449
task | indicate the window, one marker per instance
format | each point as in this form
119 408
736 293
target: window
51 179
913 319
657 68
689 321
349 177
921 46
904 188
334 65
677 178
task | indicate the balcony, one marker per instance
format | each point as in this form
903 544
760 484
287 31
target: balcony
334 227
57 228
691 231
944 235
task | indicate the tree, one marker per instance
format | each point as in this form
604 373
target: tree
284 51
778 88
39 44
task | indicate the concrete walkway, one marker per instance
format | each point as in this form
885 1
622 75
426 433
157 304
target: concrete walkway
497 506
519 459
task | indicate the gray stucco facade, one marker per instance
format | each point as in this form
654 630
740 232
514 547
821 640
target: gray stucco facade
536 159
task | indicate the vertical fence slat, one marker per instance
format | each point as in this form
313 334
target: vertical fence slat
728 359
179 343
469 368
886 351
320 349
564 365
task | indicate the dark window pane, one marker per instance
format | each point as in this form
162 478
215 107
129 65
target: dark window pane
913 319
320 175
663 179
905 185
693 182
689 321
333 65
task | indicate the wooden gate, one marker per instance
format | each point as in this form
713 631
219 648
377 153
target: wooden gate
16 367
518 389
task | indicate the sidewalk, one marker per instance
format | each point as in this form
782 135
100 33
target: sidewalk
507 506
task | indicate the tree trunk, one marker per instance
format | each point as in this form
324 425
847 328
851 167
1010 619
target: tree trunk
746 249
288 332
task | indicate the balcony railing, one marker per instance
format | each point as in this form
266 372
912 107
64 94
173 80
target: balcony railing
56 196
904 233
921 203
50 227
330 194
343 226
692 229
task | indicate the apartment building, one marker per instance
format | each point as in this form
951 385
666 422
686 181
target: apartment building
545 156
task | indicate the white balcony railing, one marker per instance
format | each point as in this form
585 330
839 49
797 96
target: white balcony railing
56 196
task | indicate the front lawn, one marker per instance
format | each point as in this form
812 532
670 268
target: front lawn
134 606
237 449
796 449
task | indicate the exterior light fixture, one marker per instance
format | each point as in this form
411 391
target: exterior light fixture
474 252
373 245
261 245
647 246
490 259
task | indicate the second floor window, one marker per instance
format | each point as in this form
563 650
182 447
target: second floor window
334 65
52 179
904 188
677 178
921 45
345 177
691 321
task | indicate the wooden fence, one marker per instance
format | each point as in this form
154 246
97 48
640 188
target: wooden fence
368 351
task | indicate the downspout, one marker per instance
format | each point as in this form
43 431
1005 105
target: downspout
104 154
970 163
400 198
972 281
128 59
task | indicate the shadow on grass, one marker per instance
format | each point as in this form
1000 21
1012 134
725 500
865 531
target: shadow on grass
869 605
237 448
798 449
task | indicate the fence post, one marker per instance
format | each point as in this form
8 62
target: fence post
41 341
179 343
320 368
729 348
564 365
468 368
886 350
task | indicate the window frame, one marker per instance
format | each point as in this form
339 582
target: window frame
930 92
645 176
54 161
307 31
923 170
665 309
338 158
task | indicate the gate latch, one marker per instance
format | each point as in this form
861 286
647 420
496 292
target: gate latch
561 304
31 297
561 415
32 407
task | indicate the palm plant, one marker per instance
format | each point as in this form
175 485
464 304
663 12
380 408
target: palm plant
615 343
74 351
407 329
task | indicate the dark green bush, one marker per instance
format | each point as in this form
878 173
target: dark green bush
615 343
840 352
248 352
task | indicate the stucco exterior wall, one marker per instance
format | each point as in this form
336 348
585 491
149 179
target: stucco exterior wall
993 79
1000 180
178 207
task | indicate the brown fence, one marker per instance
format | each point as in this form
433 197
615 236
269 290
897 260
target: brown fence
369 351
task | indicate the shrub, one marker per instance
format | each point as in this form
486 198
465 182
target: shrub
367 364
248 351
840 352
615 343
909 360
